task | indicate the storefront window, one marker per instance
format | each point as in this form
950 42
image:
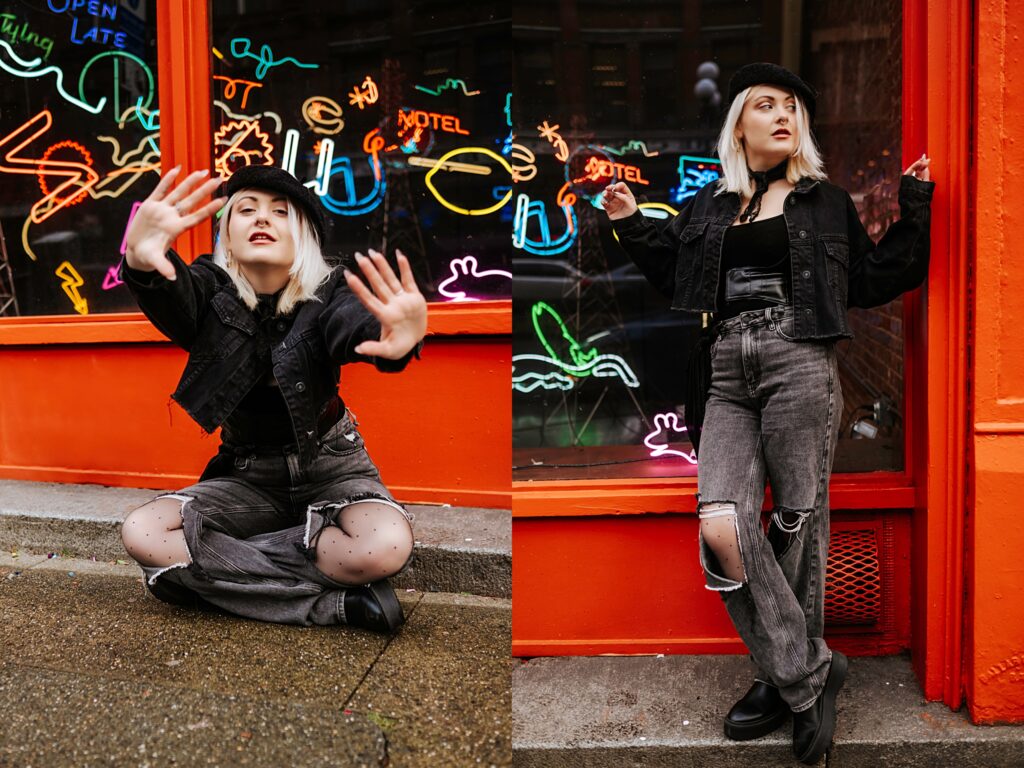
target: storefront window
79 147
599 359
395 114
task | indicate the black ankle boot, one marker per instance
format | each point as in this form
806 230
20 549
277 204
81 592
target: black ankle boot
374 607
758 713
813 728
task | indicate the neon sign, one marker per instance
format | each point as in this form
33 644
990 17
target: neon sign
694 173
629 146
124 240
368 95
426 162
86 158
449 83
234 115
550 132
111 280
98 10
9 28
233 134
584 362
29 72
373 143
599 170
231 87
526 169
418 118
116 70
466 267
323 115
241 48
545 246
72 282
36 126
428 180
664 425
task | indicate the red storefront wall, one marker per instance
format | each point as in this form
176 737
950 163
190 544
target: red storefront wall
611 567
994 605
86 399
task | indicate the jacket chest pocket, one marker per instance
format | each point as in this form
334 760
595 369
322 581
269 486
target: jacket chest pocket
227 328
837 264
690 260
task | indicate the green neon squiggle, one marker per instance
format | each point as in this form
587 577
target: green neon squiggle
449 83
117 105
579 357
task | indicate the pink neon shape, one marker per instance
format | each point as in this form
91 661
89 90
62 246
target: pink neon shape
467 267
666 422
124 240
111 280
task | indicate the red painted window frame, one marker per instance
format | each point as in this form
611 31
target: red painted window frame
183 61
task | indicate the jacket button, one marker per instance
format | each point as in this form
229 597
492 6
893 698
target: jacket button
808 311
803 233
300 387
310 433
792 201
806 273
281 325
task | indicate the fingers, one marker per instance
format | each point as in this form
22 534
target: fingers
372 349
208 210
363 293
165 183
187 203
373 276
405 270
386 272
186 186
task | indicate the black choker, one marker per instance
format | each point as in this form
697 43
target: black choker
761 181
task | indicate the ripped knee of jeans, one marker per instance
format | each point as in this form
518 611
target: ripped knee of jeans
784 528
721 551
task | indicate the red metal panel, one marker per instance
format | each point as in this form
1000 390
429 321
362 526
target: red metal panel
634 585
102 414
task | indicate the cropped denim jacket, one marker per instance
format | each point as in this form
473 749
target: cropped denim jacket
201 312
835 264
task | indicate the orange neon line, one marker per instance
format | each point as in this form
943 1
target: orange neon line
74 173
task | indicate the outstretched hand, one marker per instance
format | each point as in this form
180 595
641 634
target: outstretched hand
919 168
396 303
165 215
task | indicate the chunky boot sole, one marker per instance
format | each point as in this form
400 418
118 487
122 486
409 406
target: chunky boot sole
388 603
827 726
755 729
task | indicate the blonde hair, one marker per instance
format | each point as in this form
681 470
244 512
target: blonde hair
308 271
805 160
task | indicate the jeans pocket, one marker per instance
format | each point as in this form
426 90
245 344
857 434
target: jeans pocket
784 327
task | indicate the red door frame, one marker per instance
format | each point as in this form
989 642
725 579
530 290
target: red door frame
936 119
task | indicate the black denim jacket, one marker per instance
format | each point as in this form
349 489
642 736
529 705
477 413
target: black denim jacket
835 263
202 313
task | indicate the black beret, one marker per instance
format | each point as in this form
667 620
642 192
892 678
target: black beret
765 73
276 179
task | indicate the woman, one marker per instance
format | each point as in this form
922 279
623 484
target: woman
289 522
778 254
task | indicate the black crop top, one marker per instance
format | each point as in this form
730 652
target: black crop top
762 244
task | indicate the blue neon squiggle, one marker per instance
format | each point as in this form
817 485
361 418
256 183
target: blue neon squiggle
354 207
45 71
266 58
545 246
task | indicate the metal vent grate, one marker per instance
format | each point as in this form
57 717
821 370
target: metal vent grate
853 589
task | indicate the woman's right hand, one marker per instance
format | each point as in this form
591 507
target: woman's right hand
618 202
164 215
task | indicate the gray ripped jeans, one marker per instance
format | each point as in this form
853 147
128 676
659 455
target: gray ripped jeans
773 412
251 525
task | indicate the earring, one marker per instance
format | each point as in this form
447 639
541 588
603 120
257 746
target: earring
230 257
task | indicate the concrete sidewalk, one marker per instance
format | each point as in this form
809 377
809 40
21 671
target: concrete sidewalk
619 712
94 671
458 549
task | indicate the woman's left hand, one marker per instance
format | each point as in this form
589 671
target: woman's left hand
396 303
919 169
